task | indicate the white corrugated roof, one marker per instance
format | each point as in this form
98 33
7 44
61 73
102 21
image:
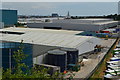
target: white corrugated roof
108 22
61 38
26 30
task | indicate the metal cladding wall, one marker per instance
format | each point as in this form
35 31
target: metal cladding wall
58 58
88 45
8 49
71 26
9 17
40 52
66 26
72 55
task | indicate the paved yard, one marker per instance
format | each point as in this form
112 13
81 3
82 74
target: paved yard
93 60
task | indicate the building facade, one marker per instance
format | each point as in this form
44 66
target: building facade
7 50
55 15
8 17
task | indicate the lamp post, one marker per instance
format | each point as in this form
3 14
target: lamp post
10 58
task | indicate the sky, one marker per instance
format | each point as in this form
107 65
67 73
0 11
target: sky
59 0
75 8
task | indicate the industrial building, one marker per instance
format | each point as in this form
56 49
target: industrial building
52 43
36 20
90 24
55 15
8 17
7 51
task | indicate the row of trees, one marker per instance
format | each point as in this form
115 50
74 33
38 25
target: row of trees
112 16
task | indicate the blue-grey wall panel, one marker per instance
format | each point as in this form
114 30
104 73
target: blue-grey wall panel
8 51
9 17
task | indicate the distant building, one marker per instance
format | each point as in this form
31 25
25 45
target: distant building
8 17
90 24
55 15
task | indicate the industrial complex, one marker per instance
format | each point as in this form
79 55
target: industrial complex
63 44
75 24
44 40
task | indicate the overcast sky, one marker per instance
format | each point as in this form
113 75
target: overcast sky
59 0
75 8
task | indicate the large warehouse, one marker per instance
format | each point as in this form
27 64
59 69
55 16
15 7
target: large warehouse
44 40
90 24
9 17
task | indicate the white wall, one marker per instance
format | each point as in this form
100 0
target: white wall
39 59
1 25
